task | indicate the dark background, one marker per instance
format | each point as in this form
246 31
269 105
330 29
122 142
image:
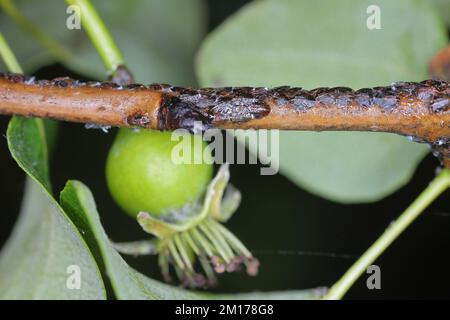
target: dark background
320 239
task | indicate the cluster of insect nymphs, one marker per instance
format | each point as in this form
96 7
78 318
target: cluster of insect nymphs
194 236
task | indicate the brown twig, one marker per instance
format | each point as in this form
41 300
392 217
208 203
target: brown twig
419 110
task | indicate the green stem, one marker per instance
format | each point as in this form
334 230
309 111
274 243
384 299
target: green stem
215 242
182 250
201 241
54 47
434 189
164 265
190 242
221 240
99 35
233 240
207 268
175 255
8 56
136 248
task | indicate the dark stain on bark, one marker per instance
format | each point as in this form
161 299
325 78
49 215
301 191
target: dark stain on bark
175 113
138 119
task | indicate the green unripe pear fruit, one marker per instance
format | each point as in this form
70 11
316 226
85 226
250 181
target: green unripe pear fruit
142 176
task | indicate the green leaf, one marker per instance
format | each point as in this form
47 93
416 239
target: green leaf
158 38
327 43
443 9
36 261
127 283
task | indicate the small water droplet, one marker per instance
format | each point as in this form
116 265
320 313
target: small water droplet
415 139
105 129
30 80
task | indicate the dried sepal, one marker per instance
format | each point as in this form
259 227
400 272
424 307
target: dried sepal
193 236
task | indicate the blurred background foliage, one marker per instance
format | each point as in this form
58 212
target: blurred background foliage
305 236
